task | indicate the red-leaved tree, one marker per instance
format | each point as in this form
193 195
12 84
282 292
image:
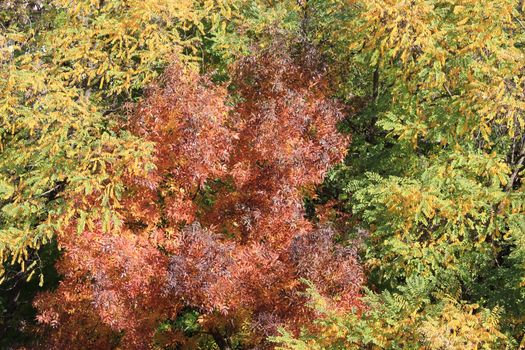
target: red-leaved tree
218 227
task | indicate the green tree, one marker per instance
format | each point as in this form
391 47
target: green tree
434 172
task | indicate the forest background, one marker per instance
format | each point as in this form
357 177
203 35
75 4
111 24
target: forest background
260 174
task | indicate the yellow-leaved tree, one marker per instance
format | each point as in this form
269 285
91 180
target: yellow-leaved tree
67 68
434 176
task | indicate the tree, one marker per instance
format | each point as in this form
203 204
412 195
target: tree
433 172
196 215
66 71
218 226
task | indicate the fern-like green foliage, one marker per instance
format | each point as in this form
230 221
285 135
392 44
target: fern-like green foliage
434 173
396 321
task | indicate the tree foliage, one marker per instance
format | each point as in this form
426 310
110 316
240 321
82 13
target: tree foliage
218 225
433 173
187 167
65 71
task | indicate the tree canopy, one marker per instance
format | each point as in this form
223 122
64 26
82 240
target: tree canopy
248 174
